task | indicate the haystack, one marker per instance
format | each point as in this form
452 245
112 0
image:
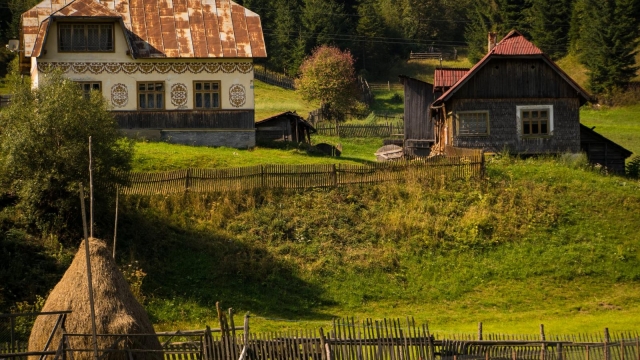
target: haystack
117 310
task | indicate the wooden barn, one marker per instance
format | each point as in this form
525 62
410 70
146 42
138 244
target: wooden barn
287 126
603 151
418 125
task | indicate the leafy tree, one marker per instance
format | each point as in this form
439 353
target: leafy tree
328 76
550 20
608 43
44 152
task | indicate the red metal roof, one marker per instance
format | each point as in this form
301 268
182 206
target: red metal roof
448 77
163 28
514 44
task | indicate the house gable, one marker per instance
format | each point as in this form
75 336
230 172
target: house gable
515 47
515 77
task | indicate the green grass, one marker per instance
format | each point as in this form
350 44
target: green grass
420 69
539 241
619 124
271 100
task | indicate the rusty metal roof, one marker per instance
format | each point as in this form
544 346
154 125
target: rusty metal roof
446 77
514 44
161 28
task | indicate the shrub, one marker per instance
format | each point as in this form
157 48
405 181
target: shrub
633 168
44 152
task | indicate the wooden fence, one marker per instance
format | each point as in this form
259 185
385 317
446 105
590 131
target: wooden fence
302 176
396 86
273 78
364 130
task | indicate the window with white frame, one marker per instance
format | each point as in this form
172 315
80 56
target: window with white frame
472 123
535 120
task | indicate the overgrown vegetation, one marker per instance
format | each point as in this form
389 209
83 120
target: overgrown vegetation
538 240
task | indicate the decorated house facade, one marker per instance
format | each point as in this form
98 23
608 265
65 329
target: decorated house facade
180 70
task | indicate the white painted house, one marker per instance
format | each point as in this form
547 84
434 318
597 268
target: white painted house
178 70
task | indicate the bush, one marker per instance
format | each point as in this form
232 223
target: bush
633 168
44 152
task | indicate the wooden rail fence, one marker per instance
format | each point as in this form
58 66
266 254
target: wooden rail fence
302 176
364 130
274 78
386 86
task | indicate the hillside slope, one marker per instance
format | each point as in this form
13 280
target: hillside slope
539 241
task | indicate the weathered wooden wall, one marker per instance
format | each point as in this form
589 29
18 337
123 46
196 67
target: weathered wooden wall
281 129
418 96
503 126
516 78
188 119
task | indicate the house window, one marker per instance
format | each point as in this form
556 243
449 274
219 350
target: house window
206 94
88 86
85 37
535 120
150 95
473 123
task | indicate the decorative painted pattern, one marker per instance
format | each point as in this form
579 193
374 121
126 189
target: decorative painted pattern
146 67
119 95
237 95
179 95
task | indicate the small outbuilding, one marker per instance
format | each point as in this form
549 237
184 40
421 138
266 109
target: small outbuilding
603 151
287 126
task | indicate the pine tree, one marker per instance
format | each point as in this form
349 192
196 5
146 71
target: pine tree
511 15
550 21
609 43
373 51
324 23
481 22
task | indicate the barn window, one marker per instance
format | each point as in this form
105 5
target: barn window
88 86
85 37
206 94
535 120
150 95
473 123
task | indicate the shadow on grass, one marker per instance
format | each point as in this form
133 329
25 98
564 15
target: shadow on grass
185 264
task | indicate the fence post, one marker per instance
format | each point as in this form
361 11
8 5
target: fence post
480 331
334 175
187 181
606 344
559 351
388 85
543 346
262 176
12 322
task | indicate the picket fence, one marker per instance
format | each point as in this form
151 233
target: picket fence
302 176
363 130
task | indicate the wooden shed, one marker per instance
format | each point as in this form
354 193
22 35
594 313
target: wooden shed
603 151
287 126
418 124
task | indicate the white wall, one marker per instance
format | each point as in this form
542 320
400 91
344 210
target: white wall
81 61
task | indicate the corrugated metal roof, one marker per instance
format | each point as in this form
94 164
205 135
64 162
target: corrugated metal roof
447 77
514 44
163 28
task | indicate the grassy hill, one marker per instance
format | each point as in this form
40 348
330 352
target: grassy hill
539 241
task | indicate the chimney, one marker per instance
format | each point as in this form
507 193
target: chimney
492 41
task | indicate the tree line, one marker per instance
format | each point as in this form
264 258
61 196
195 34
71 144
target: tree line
602 33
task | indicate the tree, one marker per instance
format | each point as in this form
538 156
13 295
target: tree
481 22
608 43
325 23
328 76
550 21
44 152
373 50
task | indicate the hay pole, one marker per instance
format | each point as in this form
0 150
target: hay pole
115 227
89 279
